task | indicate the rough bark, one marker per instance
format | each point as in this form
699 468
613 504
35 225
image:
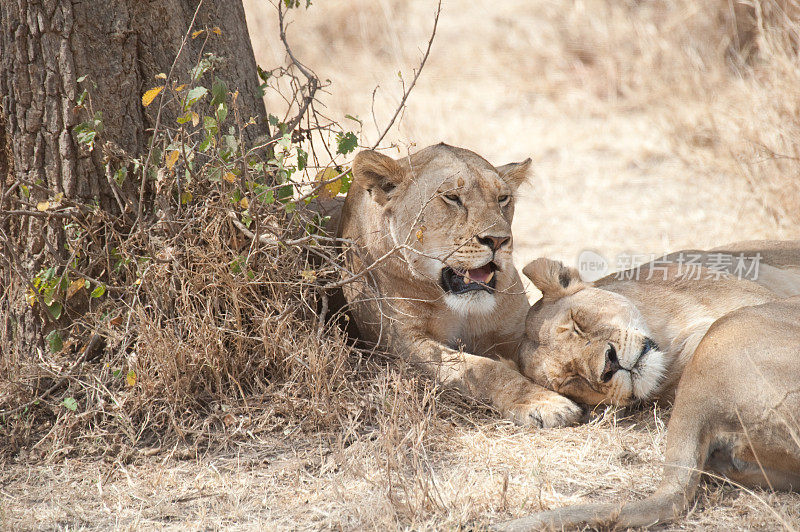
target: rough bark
120 45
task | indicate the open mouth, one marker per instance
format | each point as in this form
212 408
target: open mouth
461 281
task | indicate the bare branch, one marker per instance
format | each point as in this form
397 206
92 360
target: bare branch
158 115
413 81
313 80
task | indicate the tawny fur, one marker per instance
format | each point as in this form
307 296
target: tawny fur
735 414
570 332
407 205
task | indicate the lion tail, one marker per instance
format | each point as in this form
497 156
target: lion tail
688 447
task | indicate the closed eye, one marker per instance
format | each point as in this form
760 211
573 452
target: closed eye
574 381
569 381
452 198
504 199
571 326
577 383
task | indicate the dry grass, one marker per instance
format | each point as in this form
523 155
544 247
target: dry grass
653 126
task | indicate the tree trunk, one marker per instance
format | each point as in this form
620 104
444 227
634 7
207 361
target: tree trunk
119 46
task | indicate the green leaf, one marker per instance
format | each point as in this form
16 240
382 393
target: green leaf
120 175
54 341
302 159
98 291
285 193
346 143
355 118
210 124
230 142
70 403
215 174
265 195
205 144
82 98
222 113
285 141
346 179
201 68
194 95
81 79
55 309
219 92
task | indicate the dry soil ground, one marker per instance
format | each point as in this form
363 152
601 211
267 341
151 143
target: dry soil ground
608 177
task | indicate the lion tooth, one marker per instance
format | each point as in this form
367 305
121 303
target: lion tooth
489 278
467 279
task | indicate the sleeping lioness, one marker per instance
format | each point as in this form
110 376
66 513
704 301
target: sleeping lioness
627 337
736 413
434 282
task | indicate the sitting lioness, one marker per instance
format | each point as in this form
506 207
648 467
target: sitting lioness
628 337
434 281
736 413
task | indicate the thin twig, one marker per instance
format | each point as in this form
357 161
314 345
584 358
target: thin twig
89 348
273 242
313 80
413 81
158 115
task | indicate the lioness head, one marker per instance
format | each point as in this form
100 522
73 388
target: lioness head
449 213
589 344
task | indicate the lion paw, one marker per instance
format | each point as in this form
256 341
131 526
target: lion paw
545 411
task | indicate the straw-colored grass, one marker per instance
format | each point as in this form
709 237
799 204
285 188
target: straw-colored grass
653 126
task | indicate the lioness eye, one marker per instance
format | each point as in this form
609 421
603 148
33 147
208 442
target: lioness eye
502 200
574 381
452 198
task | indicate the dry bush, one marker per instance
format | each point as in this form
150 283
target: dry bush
203 323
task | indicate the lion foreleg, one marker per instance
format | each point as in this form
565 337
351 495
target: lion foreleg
492 381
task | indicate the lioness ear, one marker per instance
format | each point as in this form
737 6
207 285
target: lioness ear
553 278
515 173
378 174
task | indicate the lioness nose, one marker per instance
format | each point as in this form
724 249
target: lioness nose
612 364
494 242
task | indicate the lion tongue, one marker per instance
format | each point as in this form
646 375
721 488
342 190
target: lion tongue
481 275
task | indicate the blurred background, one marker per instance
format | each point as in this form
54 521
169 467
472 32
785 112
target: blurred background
653 126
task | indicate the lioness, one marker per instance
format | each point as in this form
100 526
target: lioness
627 337
431 251
736 413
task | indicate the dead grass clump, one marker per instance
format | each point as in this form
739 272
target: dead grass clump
214 327
199 319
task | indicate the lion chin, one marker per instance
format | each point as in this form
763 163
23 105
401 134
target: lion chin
476 303
649 374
